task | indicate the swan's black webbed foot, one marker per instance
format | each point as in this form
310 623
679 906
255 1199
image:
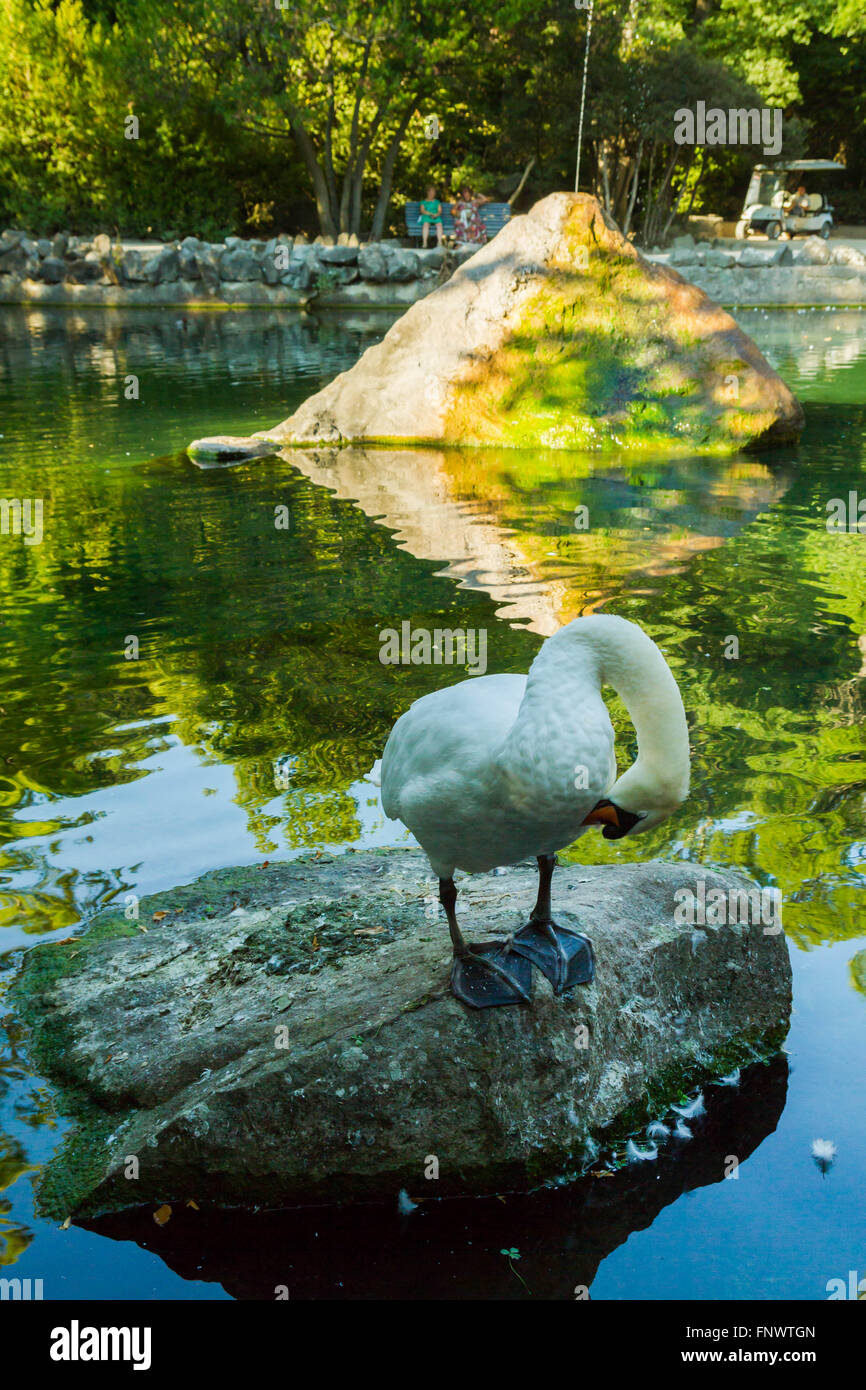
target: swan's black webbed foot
560 953
489 973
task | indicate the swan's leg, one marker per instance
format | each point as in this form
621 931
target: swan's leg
487 974
560 953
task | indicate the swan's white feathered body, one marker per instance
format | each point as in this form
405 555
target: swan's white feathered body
497 769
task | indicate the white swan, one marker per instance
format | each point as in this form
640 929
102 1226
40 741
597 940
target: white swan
497 768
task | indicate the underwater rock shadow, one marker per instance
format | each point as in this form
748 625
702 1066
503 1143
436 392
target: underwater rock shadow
453 1249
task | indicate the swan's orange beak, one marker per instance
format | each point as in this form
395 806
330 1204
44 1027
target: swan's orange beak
604 813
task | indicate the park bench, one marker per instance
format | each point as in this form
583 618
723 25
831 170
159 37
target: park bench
493 215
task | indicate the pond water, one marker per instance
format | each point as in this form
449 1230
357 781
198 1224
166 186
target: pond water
257 703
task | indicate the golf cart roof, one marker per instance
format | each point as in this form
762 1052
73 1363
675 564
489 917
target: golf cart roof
807 165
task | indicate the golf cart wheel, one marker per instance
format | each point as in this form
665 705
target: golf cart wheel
773 230
825 231
741 231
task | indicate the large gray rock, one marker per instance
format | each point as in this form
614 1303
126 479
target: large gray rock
287 1034
208 266
380 263
302 270
13 257
164 267
720 259
814 251
402 265
338 255
82 271
848 255
433 258
134 264
52 270
372 263
756 258
228 448
240 265
189 267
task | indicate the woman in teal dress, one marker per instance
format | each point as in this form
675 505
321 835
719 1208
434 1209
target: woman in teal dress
431 216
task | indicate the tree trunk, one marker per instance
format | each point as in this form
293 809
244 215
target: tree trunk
519 189
633 194
676 202
361 164
649 194
697 183
620 186
352 174
662 197
604 176
321 192
378 224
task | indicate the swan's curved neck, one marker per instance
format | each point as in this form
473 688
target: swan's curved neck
612 651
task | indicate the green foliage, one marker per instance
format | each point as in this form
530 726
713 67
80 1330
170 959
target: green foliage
263 116
67 90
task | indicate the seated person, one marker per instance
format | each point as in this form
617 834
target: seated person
798 203
468 226
431 216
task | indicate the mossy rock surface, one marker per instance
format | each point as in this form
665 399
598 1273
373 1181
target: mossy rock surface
558 334
287 1035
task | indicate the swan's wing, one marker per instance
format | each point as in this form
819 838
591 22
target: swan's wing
461 727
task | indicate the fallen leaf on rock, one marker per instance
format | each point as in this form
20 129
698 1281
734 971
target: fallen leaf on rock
67 1223
158 916
161 1215
192 1204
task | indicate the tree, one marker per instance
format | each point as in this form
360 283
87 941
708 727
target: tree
341 79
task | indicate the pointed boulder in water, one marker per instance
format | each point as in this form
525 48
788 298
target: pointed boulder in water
558 333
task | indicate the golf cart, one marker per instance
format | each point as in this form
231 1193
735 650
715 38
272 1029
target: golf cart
769 205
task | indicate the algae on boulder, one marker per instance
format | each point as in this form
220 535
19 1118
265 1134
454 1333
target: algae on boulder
558 333
287 1035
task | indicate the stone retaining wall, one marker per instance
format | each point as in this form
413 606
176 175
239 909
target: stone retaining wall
292 272
784 273
283 271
